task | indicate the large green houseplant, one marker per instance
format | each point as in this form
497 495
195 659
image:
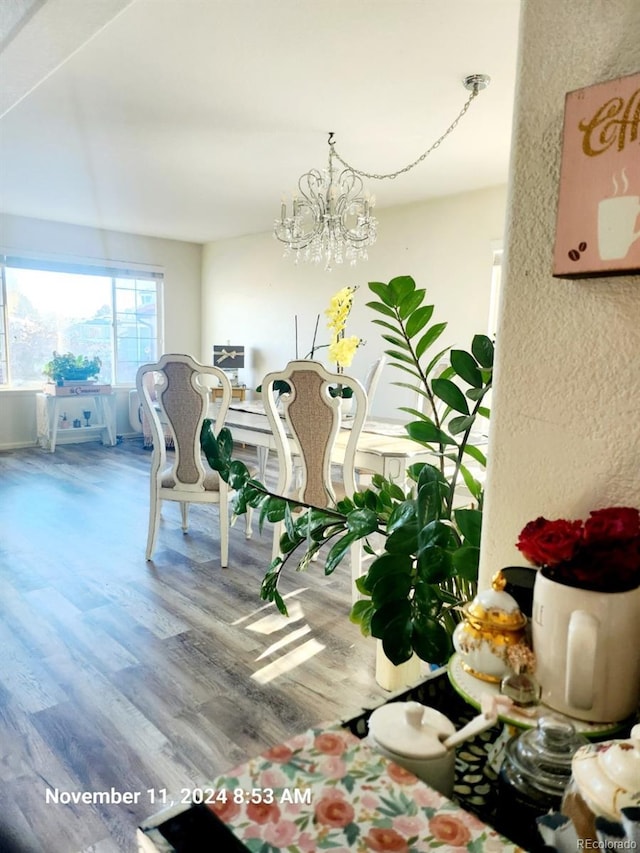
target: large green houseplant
428 563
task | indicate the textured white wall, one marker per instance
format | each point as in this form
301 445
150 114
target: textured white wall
251 293
565 433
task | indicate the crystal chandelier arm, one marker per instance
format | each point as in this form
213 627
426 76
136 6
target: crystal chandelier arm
476 82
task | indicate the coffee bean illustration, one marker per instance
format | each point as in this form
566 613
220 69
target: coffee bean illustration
574 255
582 247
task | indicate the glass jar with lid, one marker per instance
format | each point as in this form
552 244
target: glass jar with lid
535 772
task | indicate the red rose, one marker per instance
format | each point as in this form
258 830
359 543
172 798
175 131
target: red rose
386 839
333 810
617 523
449 829
546 543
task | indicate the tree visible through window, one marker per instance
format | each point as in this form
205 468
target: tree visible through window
109 313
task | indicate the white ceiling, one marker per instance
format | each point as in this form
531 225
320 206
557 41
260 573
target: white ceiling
188 119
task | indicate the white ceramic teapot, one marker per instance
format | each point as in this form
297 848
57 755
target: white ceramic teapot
492 623
605 779
422 740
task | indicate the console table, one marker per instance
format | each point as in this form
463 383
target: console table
238 392
49 409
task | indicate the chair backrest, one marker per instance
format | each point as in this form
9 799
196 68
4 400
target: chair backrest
373 377
312 418
175 392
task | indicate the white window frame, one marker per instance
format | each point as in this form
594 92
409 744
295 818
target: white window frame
82 266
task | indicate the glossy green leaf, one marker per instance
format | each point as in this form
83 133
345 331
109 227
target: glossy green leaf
434 564
436 361
412 371
387 564
401 286
362 521
361 614
403 540
393 586
387 613
288 522
410 303
475 453
482 349
275 509
381 290
393 327
429 338
469 523
466 561
401 356
476 393
418 320
362 585
381 308
473 485
238 474
426 432
396 640
466 367
339 551
396 341
460 424
430 641
400 515
435 533
448 391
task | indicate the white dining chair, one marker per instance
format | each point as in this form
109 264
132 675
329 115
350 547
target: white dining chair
177 397
306 422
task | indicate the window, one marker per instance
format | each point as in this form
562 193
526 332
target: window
87 310
496 284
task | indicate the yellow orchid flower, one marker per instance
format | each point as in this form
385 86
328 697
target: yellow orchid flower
342 350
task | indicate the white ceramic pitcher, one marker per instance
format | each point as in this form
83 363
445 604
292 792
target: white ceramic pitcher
587 647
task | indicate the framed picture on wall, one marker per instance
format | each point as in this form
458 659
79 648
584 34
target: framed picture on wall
598 221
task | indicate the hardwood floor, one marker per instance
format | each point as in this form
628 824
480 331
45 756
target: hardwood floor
115 672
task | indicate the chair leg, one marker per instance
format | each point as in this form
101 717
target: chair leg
248 530
263 457
356 569
154 522
184 513
224 527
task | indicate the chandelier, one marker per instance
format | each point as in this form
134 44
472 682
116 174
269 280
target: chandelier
331 214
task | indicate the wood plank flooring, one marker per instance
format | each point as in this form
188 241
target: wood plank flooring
115 672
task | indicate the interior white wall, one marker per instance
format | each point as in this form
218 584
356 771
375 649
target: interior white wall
251 294
182 273
565 434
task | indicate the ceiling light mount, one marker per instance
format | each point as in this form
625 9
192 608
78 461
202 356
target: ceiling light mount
476 82
331 216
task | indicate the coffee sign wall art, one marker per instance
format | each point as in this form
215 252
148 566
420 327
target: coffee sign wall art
598 223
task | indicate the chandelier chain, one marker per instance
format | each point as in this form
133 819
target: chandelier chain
424 155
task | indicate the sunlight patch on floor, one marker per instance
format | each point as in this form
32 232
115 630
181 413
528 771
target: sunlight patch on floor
268 606
287 662
285 641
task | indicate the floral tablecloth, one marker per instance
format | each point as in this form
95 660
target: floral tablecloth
327 790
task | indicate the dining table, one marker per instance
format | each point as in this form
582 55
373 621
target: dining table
383 448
